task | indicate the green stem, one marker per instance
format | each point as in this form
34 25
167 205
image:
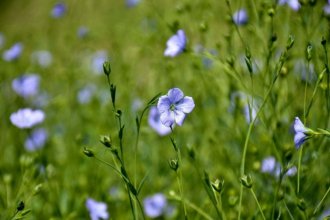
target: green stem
322 200
242 170
299 166
256 199
179 179
276 194
193 206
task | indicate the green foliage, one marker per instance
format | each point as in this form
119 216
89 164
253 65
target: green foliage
278 61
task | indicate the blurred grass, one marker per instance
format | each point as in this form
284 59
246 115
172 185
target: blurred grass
135 39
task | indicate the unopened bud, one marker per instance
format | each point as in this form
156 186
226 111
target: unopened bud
217 185
174 164
246 180
88 152
309 52
106 141
301 204
323 41
290 42
107 68
37 189
271 12
20 206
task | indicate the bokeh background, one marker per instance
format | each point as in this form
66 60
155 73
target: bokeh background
66 47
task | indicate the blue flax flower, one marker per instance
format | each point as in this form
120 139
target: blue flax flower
293 4
26 85
97 210
13 53
27 118
58 10
156 124
240 17
36 140
300 131
155 206
174 106
176 44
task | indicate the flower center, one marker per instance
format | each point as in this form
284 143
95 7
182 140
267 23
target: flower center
172 107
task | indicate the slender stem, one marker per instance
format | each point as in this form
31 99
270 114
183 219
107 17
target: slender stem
131 203
299 166
179 179
276 194
322 200
140 206
260 209
194 207
288 210
242 170
314 92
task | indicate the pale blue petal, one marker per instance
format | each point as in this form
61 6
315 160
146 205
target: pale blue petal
299 126
185 105
299 139
163 104
167 118
179 117
175 95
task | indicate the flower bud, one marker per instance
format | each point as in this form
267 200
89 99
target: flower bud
37 189
309 51
290 42
301 204
106 141
88 152
217 185
107 68
174 164
246 180
271 12
323 41
20 206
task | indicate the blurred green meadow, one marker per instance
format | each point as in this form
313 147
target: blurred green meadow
234 157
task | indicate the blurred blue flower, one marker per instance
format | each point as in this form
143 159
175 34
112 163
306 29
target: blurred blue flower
27 118
173 107
42 57
2 40
304 71
58 10
326 9
13 53
98 58
156 124
176 44
82 32
299 133
26 85
84 95
240 17
293 4
249 114
271 166
268 165
155 206
97 210
36 140
132 3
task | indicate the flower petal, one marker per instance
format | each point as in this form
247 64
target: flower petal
175 95
299 126
186 105
167 118
179 117
299 139
163 104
